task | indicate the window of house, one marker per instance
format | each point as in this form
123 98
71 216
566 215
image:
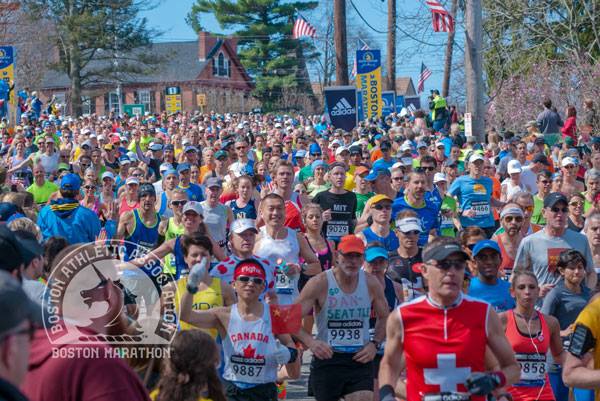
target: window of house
113 102
221 66
88 105
144 97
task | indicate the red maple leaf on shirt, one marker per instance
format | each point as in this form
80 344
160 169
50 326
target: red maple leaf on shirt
222 269
249 351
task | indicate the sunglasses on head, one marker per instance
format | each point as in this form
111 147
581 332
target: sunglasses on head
247 279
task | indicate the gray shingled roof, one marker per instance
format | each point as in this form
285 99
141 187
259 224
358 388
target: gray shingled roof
181 64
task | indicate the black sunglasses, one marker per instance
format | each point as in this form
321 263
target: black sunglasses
448 264
179 203
382 207
555 209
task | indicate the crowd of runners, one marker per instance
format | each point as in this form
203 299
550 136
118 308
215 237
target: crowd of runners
412 261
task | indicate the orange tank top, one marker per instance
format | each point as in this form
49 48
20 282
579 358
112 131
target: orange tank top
530 352
507 261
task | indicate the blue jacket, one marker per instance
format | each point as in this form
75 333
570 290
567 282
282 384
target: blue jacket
65 219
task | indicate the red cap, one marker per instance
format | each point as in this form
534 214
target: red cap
250 268
351 244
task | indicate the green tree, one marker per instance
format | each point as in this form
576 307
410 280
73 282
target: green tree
266 49
99 41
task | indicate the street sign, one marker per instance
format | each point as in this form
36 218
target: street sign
134 109
201 99
468 125
173 99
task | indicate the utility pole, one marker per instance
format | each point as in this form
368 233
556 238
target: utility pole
391 46
474 67
341 47
449 50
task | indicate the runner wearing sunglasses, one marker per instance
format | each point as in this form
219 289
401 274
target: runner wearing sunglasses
511 221
444 337
380 209
252 353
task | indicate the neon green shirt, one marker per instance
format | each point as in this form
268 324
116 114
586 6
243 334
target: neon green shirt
43 193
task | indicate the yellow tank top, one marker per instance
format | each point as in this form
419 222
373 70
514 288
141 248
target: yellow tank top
590 318
203 300
172 231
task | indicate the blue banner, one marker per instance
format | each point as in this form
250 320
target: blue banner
359 105
389 106
414 101
399 103
340 103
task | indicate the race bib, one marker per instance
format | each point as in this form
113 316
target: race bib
482 209
283 283
345 334
446 221
533 369
337 228
247 370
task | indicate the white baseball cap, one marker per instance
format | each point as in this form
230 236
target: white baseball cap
514 166
108 174
568 161
476 156
438 177
409 224
340 150
193 206
241 225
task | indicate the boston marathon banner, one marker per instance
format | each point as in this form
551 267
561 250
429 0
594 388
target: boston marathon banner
340 105
399 103
368 79
388 98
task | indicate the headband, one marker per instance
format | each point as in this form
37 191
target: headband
511 211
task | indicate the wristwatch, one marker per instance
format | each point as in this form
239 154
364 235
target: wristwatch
377 344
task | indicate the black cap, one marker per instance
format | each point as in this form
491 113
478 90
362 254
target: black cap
540 158
355 150
553 198
385 145
146 189
539 141
15 305
442 251
595 140
14 250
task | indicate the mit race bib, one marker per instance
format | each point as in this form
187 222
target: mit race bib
482 209
533 369
337 228
345 334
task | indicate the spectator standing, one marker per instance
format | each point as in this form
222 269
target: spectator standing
549 123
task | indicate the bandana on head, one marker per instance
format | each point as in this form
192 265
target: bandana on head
250 269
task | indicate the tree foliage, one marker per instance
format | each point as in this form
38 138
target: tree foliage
266 49
99 41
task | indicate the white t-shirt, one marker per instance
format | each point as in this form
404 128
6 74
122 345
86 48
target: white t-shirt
529 178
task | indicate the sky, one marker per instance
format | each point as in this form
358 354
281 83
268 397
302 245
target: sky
169 17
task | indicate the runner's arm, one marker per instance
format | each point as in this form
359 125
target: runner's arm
228 294
156 255
313 266
392 364
576 372
558 353
140 154
499 345
204 319
380 307
293 369
124 224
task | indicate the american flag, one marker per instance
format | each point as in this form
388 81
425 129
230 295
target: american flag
425 73
441 19
303 28
354 66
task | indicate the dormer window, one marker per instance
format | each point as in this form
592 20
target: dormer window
221 66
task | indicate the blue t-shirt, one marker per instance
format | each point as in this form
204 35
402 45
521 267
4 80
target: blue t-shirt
194 192
428 213
474 194
497 295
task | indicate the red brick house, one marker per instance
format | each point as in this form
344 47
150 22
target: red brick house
208 67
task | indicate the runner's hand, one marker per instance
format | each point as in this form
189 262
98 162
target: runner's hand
321 350
293 268
327 215
366 354
470 213
545 289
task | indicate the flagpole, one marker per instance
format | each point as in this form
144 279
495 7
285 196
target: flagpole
449 51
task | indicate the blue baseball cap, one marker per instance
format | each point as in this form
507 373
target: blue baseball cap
314 149
70 182
156 147
376 172
170 172
485 244
183 167
318 163
375 252
190 148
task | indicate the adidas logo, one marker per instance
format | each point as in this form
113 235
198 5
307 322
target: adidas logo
342 108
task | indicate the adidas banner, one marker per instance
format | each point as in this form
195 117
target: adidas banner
414 102
388 98
368 79
399 103
340 103
359 106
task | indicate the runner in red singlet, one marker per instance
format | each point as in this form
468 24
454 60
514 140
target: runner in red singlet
531 334
444 336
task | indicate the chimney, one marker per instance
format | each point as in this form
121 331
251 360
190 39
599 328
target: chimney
205 44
